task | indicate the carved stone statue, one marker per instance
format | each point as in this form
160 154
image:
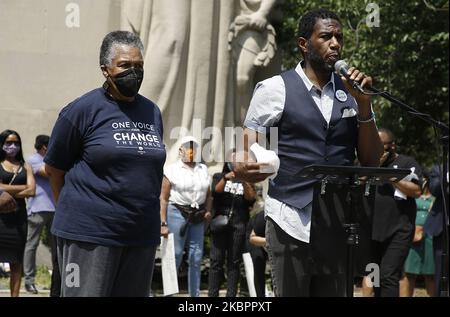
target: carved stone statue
188 66
252 42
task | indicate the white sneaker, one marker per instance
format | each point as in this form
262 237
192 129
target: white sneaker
5 267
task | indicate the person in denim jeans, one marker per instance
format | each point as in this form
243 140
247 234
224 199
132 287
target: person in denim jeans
185 206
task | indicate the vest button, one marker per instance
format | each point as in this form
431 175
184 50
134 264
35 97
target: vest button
326 159
325 126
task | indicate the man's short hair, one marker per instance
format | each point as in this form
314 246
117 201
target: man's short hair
41 140
118 38
308 21
388 132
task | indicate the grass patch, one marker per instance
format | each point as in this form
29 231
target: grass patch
43 277
42 280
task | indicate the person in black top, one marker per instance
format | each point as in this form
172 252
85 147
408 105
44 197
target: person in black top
394 218
258 252
16 178
7 202
234 199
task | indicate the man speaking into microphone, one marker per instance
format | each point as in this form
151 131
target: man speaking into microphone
322 118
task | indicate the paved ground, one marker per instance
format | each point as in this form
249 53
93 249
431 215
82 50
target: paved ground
45 293
43 257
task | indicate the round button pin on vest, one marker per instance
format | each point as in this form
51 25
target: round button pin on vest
341 95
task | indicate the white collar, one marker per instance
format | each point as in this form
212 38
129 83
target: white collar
309 85
181 164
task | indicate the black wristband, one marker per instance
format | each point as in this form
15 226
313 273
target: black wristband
163 224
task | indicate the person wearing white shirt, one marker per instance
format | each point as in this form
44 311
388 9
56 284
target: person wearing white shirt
321 119
185 206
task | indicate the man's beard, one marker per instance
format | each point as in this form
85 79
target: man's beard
317 62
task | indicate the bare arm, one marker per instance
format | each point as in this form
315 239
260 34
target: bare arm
410 189
42 172
418 234
208 205
56 178
21 191
370 147
7 202
249 191
257 240
13 189
369 144
220 186
30 189
164 202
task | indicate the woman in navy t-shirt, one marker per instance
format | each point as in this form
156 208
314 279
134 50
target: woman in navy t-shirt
105 161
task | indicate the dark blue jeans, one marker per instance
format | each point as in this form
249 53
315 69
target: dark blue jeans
193 238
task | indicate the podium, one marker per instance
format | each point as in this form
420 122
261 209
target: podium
341 220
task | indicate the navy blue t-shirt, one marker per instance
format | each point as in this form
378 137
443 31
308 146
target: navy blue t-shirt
113 155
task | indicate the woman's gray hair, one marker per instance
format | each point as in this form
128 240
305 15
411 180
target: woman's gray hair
118 38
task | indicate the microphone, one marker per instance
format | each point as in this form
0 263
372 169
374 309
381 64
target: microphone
341 68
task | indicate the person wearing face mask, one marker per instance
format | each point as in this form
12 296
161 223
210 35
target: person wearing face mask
393 219
185 207
234 199
105 164
16 178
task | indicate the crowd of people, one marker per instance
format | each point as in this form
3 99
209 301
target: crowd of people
109 197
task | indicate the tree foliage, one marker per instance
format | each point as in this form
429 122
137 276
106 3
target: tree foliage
407 55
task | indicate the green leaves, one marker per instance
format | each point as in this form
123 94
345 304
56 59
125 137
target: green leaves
407 56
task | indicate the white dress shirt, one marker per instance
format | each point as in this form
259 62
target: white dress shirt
266 108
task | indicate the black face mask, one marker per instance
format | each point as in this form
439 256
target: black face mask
129 81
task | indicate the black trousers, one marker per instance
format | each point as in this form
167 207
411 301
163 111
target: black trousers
438 247
55 287
226 245
293 268
259 258
390 255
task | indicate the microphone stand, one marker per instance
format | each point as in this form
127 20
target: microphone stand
444 287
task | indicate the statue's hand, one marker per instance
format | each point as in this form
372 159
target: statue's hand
258 21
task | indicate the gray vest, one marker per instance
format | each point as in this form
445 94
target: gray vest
305 138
